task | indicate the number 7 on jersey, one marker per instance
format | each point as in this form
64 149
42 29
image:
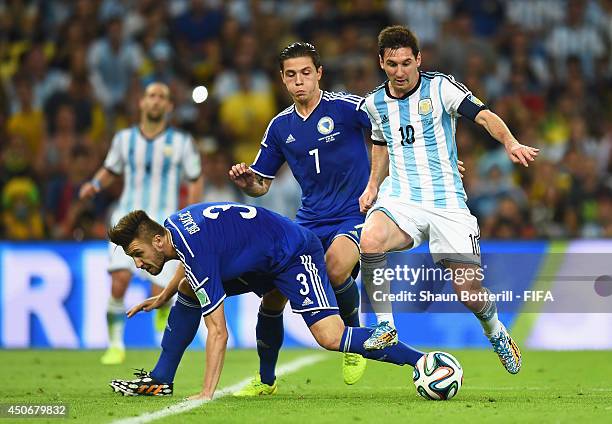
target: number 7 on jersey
315 153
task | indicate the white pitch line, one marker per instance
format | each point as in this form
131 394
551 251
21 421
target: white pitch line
187 405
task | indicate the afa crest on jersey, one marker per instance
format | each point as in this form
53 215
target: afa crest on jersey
425 106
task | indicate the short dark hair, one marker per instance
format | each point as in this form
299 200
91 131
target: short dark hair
135 224
395 37
299 49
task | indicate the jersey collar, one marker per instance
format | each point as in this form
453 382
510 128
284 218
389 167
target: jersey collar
405 96
313 109
160 132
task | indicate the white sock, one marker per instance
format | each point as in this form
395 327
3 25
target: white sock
491 326
385 316
115 318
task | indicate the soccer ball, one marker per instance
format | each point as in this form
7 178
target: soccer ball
438 376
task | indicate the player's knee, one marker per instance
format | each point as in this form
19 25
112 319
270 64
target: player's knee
372 241
337 272
328 332
329 341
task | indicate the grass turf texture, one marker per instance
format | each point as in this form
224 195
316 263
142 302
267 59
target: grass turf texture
551 387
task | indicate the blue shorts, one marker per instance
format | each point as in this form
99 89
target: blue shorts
304 282
327 232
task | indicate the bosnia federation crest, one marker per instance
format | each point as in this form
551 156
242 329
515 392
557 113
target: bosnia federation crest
325 125
425 106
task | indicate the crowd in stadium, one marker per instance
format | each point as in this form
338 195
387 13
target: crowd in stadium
72 73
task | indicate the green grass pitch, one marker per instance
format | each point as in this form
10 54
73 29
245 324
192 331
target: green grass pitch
552 387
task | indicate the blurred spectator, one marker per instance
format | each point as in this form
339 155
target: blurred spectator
66 217
245 116
575 38
458 43
424 17
21 210
112 60
536 16
27 121
217 185
195 35
198 24
243 62
508 222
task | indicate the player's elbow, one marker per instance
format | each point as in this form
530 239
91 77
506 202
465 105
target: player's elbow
485 118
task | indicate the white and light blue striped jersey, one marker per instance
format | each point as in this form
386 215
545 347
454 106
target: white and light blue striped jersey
419 131
152 169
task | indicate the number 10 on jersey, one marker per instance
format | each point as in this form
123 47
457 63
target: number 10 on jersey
315 153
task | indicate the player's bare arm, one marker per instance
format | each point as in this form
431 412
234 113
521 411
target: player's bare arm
517 152
380 169
160 300
99 182
195 189
248 181
216 344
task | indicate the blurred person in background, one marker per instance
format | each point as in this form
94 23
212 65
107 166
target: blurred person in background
217 185
112 60
21 210
26 120
153 158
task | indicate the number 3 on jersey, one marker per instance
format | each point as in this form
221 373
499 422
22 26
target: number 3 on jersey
315 153
303 280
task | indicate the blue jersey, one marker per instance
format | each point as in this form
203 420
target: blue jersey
326 153
222 241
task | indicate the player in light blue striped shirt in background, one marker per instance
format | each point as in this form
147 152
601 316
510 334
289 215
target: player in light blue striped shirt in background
154 159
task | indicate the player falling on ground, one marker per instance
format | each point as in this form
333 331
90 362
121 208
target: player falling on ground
413 117
153 158
218 242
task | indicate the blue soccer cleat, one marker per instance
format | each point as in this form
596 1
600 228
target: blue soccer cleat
507 350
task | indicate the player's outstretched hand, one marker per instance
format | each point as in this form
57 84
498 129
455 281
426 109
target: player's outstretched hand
461 168
242 175
367 199
519 153
147 305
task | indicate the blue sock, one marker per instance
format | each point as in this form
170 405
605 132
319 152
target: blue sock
347 296
183 323
270 334
400 354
